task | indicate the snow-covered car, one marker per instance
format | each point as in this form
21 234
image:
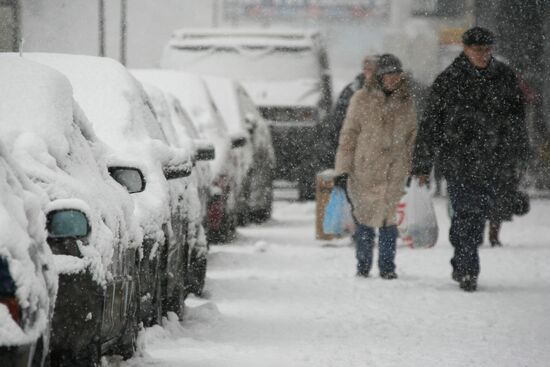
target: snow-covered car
165 108
257 159
286 73
227 179
119 111
28 280
91 228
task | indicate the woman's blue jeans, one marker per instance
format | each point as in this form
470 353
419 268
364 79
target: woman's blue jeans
364 245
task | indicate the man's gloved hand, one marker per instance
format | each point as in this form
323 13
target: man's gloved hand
423 180
341 181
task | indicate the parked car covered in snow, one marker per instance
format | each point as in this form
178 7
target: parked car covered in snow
90 223
257 159
28 280
195 193
227 179
286 73
118 109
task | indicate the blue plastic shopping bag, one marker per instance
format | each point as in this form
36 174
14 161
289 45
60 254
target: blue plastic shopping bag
338 219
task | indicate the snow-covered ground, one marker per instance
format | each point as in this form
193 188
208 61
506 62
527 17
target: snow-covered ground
277 297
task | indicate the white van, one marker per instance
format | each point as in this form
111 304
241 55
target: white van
285 72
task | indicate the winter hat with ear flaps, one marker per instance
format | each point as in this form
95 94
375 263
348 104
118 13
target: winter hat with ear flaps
478 36
388 64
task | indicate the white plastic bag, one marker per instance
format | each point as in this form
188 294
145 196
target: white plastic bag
416 218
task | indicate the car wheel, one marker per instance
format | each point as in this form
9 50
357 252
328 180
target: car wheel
38 355
305 192
197 274
176 302
157 306
127 344
128 341
89 357
226 231
261 215
306 183
154 315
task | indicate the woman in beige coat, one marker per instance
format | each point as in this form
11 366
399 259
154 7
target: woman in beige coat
373 161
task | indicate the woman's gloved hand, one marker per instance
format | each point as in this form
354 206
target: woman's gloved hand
341 181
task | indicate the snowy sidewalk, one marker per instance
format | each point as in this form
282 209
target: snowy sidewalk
277 297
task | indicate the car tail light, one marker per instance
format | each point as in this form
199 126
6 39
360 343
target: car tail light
215 212
7 291
222 182
13 307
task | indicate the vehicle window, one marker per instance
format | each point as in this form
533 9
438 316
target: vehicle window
251 62
185 120
152 125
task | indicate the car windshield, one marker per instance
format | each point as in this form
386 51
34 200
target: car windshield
262 63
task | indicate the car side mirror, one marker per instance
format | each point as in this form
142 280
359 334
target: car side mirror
130 178
205 153
67 223
238 142
172 172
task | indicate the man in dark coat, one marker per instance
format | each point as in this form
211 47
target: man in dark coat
338 115
474 128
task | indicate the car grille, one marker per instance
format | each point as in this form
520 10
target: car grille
288 114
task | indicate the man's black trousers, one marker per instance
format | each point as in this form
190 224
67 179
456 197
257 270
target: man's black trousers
471 204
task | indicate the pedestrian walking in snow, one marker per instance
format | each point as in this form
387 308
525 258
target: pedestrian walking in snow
338 115
474 128
373 160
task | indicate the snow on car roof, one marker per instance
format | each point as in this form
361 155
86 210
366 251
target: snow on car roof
40 99
105 91
23 246
193 94
119 111
49 136
274 33
245 38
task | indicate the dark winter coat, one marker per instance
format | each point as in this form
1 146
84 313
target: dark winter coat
336 119
473 125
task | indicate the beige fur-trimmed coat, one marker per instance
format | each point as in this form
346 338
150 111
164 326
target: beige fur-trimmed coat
375 149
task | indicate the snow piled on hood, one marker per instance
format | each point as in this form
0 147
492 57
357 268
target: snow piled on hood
191 91
48 135
23 245
119 111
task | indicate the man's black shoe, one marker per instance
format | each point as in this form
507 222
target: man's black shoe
496 243
389 275
362 274
455 276
468 283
